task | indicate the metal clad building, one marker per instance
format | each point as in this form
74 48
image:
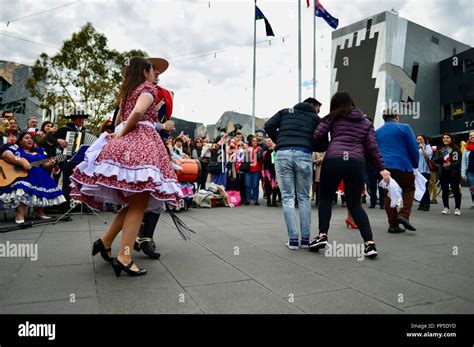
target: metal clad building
387 60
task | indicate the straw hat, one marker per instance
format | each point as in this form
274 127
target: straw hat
159 64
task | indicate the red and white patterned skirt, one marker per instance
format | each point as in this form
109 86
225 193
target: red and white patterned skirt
117 168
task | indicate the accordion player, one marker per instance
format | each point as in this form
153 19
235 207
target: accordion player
75 140
74 132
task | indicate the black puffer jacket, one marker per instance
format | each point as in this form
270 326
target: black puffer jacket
293 127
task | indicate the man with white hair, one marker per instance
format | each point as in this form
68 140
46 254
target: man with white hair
31 123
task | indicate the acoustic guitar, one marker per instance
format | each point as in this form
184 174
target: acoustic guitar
10 172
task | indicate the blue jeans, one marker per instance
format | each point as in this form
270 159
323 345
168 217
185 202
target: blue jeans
294 169
251 185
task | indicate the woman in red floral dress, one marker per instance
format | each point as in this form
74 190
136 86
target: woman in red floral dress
128 167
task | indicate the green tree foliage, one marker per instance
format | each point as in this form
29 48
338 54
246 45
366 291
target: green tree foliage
83 75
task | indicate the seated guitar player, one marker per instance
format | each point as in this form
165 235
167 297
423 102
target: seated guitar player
37 189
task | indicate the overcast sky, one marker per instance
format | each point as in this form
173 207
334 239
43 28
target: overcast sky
188 33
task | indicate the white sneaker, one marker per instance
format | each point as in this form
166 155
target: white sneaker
294 248
457 212
446 211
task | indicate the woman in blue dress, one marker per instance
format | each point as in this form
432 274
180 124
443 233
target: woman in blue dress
36 190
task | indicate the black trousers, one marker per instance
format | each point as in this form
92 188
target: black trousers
448 179
242 187
272 193
67 172
372 178
148 226
352 172
203 178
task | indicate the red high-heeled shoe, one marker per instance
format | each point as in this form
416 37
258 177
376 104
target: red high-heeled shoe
351 224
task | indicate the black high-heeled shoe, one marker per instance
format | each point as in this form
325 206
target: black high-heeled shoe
97 247
119 267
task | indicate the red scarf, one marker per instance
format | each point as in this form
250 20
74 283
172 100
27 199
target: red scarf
165 94
470 146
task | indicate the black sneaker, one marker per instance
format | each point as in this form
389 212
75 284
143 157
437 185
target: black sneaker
370 251
318 243
395 230
246 203
257 203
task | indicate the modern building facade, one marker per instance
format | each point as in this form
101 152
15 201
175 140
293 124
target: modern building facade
457 92
13 93
387 61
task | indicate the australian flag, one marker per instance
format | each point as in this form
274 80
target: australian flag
320 11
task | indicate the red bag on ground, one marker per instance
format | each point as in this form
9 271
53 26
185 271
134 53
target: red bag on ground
233 198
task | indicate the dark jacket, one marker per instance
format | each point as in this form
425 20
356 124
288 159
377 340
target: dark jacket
454 170
293 127
48 142
61 133
352 137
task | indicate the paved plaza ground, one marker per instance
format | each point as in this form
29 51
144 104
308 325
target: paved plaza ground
238 263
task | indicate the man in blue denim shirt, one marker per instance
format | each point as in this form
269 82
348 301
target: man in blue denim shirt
292 130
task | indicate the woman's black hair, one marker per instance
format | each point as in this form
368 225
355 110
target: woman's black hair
453 141
341 104
423 136
45 124
21 136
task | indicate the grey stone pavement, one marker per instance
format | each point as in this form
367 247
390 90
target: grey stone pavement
238 263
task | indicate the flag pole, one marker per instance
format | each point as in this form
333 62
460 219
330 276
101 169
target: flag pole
299 50
254 63
314 51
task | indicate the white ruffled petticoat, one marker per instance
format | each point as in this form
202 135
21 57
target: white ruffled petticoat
102 193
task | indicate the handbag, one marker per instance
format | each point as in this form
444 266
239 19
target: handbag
244 166
214 166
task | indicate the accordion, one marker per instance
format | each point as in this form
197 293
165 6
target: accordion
75 140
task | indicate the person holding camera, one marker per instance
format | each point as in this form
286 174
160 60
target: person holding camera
252 176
